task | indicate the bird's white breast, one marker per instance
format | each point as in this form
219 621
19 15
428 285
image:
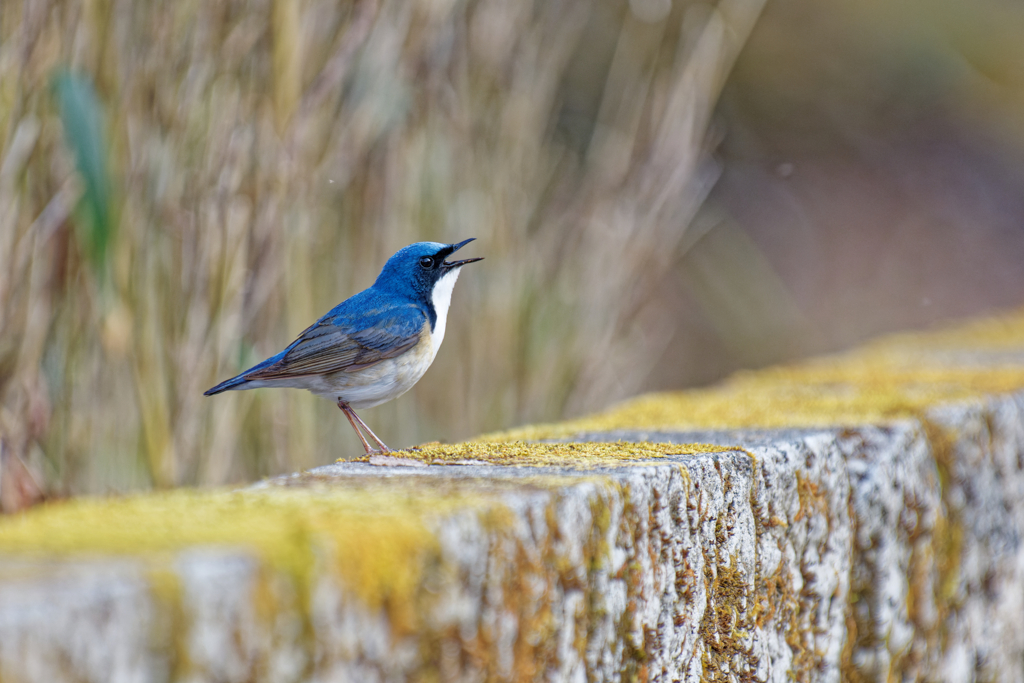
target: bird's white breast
442 299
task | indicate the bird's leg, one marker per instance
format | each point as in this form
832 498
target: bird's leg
349 414
383 446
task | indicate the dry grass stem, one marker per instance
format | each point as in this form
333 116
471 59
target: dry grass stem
264 159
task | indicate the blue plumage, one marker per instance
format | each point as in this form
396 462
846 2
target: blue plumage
374 346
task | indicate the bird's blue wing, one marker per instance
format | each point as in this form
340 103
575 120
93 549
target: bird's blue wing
358 333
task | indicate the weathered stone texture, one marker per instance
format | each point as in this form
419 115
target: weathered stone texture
872 553
87 621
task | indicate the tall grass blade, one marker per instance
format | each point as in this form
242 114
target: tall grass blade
82 118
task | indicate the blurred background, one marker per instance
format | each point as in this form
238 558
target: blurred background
664 192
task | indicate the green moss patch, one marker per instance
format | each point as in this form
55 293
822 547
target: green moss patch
376 535
891 379
567 455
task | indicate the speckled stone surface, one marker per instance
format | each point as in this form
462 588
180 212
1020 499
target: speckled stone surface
870 553
883 546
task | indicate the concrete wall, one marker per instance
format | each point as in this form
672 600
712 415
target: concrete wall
655 548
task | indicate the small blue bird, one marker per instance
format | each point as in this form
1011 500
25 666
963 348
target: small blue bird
372 347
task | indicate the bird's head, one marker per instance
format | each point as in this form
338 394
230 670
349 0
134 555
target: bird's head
419 269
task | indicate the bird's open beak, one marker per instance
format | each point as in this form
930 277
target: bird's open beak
448 265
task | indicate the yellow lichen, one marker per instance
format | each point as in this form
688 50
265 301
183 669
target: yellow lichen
377 535
565 455
726 624
890 379
165 587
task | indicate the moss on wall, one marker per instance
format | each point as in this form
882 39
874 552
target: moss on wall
377 535
897 377
571 455
376 532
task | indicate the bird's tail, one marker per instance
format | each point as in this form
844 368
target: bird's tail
240 380
228 384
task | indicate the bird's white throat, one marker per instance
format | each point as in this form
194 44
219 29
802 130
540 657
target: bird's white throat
442 298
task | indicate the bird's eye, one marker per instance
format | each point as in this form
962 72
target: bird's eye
426 262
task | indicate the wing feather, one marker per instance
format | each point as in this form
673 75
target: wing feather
340 342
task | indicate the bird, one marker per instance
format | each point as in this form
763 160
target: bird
374 346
